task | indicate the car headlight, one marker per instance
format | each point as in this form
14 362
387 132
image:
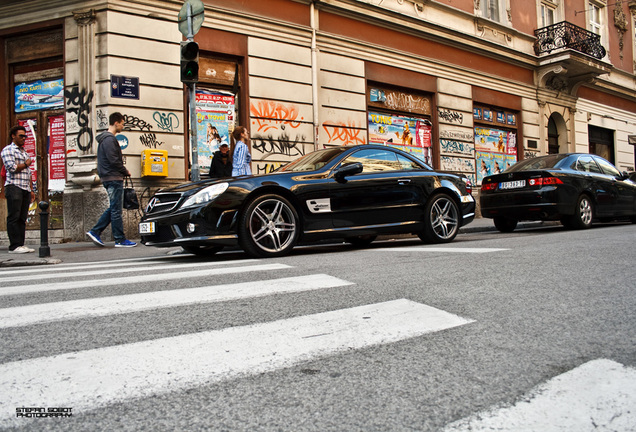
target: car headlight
205 195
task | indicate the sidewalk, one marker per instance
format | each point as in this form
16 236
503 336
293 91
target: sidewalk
86 251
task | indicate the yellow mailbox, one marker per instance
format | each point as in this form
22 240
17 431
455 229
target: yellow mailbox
154 163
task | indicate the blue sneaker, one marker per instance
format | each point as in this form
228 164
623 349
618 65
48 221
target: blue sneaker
95 238
125 243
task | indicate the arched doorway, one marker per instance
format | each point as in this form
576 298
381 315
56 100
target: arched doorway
557 134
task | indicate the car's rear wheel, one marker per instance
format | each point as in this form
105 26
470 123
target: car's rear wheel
583 214
269 226
441 223
203 251
505 225
361 241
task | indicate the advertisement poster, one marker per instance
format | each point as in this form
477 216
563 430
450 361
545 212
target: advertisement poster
30 145
39 95
412 135
57 160
492 163
215 122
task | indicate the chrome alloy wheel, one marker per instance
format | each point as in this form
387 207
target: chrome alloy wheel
272 225
585 211
444 218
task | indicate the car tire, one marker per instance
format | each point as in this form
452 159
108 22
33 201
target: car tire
583 214
441 219
269 226
202 251
505 225
361 241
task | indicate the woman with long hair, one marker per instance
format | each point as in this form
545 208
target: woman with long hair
241 156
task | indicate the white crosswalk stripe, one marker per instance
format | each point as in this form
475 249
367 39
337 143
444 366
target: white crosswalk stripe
85 380
440 249
27 315
24 289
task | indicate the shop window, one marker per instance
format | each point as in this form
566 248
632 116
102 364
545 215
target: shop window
495 140
601 142
401 119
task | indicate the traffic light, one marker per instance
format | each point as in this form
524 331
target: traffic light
189 62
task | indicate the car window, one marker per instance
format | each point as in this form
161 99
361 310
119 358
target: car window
532 164
408 164
607 167
374 160
587 164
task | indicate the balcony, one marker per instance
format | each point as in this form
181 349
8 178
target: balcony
569 56
565 35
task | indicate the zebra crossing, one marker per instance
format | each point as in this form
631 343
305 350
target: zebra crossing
89 379
86 380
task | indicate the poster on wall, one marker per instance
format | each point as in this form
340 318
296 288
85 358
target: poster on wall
492 163
495 151
39 95
215 123
410 134
57 158
30 145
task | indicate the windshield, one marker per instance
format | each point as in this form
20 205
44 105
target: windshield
312 161
537 163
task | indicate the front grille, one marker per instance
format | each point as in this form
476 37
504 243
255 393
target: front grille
163 202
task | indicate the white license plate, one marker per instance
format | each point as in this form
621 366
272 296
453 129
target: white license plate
516 184
147 228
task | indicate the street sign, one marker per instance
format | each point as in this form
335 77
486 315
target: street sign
197 17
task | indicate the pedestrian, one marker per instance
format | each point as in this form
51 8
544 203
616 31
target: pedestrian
241 157
17 189
221 165
111 170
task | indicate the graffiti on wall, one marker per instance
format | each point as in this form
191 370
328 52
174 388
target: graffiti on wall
450 115
406 102
457 147
457 135
267 167
274 115
283 147
343 134
78 107
449 163
166 121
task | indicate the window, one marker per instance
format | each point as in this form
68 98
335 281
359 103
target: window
491 9
607 167
595 19
587 164
548 13
375 160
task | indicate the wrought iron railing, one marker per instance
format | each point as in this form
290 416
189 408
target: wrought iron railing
567 35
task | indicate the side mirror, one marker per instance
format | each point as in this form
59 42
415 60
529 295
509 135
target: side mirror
624 175
348 170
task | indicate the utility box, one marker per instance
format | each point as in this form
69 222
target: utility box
154 163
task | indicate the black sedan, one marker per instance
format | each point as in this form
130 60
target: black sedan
352 193
574 188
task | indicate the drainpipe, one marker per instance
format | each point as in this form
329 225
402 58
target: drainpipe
314 72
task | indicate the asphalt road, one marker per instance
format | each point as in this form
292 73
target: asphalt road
398 336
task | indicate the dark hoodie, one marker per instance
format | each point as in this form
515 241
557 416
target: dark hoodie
110 164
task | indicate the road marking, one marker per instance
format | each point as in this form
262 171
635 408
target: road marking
115 263
158 277
440 249
85 380
597 396
102 271
75 309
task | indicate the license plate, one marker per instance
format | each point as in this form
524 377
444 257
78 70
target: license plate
516 184
147 228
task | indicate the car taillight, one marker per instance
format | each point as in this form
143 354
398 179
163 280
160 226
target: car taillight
469 186
488 186
545 181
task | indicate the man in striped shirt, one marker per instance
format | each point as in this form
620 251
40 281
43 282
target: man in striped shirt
17 189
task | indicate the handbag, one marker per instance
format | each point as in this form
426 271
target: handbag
130 196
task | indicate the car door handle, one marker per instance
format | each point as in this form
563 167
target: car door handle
404 181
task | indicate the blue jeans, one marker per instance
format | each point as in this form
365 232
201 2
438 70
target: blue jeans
113 214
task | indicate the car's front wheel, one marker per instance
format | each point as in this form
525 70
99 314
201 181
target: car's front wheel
269 226
583 214
505 225
441 219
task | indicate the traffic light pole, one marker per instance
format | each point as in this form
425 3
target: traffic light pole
194 173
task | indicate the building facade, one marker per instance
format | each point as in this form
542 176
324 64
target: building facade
470 86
